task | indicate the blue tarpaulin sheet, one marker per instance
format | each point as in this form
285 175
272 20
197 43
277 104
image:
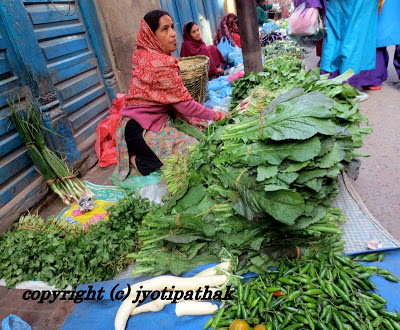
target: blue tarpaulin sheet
100 314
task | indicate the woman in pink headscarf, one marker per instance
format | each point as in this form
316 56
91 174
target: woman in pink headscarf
194 45
229 28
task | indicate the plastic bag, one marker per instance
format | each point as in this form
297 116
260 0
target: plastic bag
267 28
225 47
105 142
235 57
303 21
13 322
136 182
235 76
310 42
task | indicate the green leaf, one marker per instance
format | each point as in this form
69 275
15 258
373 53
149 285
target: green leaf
266 172
331 158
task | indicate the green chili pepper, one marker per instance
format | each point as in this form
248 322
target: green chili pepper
322 326
344 260
300 279
329 289
254 312
329 315
344 287
371 312
338 322
312 272
225 323
218 317
243 312
384 272
281 269
393 315
286 320
275 323
370 284
341 293
310 305
387 324
246 291
294 310
240 292
395 324
377 322
208 323
377 306
294 326
255 301
309 299
377 297
364 310
313 292
294 295
268 303
273 289
300 319
324 312
277 302
260 306
239 311
230 315
381 256
287 281
391 278
364 275
269 326
263 298
305 269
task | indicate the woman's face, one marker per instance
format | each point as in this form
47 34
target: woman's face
195 33
166 33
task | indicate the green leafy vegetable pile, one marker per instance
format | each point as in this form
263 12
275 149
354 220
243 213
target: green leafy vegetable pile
61 254
255 186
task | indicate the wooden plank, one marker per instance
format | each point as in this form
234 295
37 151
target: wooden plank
68 62
63 46
78 84
15 185
58 31
8 84
73 71
88 112
4 64
89 129
13 163
76 103
27 198
19 93
9 143
41 14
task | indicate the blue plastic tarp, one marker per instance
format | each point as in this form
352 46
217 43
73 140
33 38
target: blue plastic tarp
101 314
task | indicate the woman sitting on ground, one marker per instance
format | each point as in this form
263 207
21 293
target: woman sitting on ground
229 28
193 45
145 137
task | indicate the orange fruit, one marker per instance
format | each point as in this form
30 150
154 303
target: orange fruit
260 327
239 325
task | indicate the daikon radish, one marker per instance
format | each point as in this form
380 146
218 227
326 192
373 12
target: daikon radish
158 304
194 308
214 269
159 283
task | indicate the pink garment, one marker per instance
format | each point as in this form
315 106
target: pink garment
154 117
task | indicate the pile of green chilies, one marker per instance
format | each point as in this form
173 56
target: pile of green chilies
54 171
323 292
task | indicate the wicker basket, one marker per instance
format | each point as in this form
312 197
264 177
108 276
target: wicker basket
194 73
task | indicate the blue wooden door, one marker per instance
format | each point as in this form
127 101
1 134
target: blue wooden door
16 168
71 62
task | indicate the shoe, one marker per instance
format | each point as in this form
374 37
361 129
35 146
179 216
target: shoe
373 88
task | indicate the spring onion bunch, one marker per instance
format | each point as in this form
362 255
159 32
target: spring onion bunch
53 170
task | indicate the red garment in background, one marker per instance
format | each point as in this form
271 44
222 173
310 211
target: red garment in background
156 78
236 37
191 47
227 28
318 48
105 141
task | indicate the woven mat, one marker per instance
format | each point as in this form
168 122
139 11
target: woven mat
361 225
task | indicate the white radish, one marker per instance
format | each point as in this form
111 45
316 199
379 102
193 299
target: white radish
214 269
159 283
194 308
158 304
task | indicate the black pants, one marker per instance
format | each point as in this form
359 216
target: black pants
146 160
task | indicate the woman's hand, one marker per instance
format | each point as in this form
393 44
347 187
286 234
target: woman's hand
198 124
220 115
220 72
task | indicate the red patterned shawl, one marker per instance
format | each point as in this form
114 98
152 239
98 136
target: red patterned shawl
227 28
156 78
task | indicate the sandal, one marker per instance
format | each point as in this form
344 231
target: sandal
373 88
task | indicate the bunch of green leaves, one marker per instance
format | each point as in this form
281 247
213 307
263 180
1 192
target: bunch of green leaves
282 47
241 87
61 254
